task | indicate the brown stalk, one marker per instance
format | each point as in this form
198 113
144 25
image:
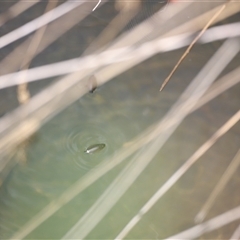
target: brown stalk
192 44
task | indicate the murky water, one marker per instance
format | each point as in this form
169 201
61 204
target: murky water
113 115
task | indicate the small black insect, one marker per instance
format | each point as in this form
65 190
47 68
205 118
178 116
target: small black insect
95 148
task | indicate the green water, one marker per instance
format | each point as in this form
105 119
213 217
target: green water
54 158
114 114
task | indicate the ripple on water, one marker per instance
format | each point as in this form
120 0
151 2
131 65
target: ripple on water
89 134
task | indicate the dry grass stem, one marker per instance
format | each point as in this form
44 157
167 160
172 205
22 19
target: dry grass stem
191 45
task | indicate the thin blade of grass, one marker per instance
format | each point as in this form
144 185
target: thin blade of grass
232 168
212 224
